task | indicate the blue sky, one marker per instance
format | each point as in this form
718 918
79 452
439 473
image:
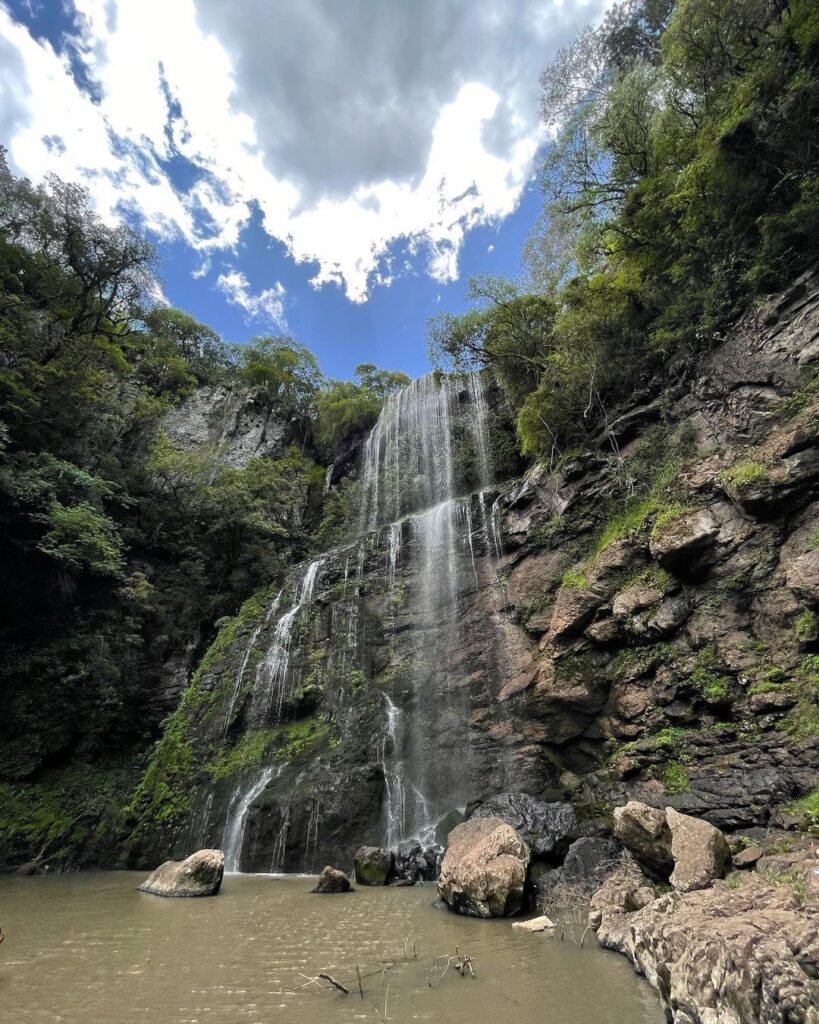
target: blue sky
336 172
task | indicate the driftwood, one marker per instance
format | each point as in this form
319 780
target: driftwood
462 962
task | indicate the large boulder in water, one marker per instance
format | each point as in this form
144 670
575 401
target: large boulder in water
374 865
198 875
484 869
701 852
644 831
547 828
332 880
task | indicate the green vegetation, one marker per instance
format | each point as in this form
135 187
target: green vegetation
705 677
743 474
807 627
803 721
675 778
575 579
682 182
808 806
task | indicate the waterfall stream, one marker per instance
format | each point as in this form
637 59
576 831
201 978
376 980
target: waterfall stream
415 506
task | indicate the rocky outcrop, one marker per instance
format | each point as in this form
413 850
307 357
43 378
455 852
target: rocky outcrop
700 851
645 833
746 955
547 828
374 865
332 880
240 424
484 869
198 875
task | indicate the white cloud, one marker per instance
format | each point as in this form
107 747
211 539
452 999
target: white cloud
267 304
352 128
490 248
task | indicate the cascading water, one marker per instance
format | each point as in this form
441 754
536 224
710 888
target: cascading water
234 831
426 456
271 676
411 473
266 702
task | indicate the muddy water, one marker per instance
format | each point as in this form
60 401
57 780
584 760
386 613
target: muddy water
90 949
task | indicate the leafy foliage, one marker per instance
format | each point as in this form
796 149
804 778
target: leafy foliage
683 179
119 550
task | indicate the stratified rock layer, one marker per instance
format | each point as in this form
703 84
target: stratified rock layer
198 875
484 869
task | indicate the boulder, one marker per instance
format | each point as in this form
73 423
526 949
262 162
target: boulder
748 857
635 599
332 880
747 955
687 545
199 875
644 831
625 890
588 861
547 828
484 869
701 852
573 610
374 865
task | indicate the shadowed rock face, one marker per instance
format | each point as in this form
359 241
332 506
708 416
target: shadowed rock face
484 869
547 828
198 875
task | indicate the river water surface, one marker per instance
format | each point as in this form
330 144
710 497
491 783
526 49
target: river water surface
90 949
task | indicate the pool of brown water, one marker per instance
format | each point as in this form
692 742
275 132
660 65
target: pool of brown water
90 949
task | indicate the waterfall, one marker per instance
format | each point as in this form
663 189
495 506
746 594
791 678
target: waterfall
428 449
410 475
267 698
271 676
407 462
233 835
237 686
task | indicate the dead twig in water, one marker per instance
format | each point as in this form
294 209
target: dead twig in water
462 962
334 983
383 1016
324 977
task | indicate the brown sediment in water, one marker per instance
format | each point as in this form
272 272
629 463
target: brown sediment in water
90 949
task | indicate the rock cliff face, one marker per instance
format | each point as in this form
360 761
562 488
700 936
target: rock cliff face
675 643
241 423
637 621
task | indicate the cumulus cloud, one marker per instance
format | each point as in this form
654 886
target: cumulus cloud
352 128
267 304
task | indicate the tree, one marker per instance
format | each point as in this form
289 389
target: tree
285 368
